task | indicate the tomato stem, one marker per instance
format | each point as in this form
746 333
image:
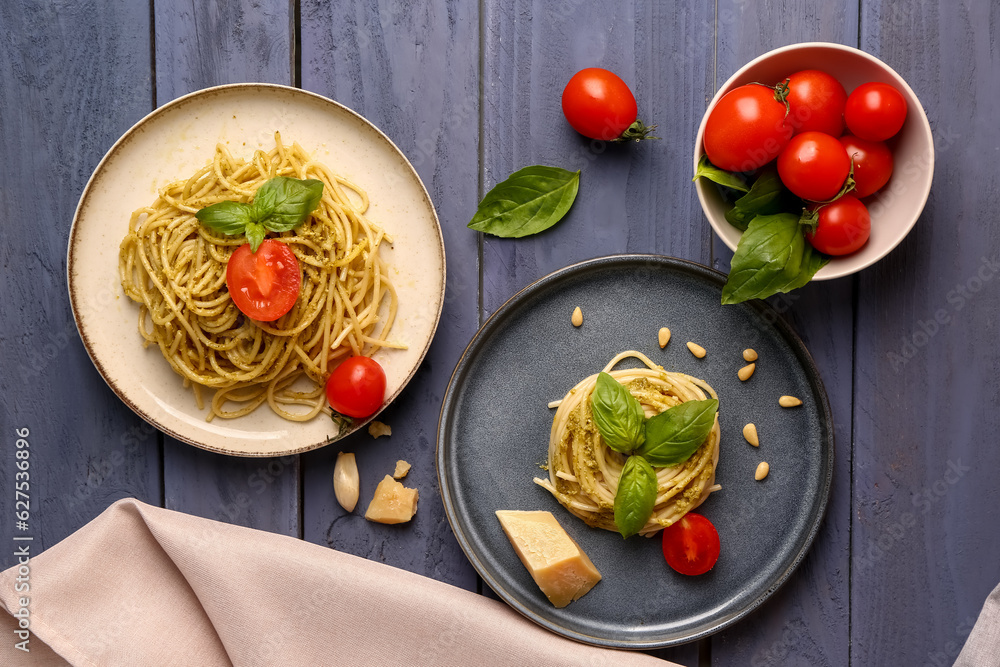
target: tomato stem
849 184
809 219
780 92
637 131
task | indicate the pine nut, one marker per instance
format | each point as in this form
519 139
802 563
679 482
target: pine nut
762 469
577 316
346 484
750 433
696 350
789 402
749 354
746 372
663 337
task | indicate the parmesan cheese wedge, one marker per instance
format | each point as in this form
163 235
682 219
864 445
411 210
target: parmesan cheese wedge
557 564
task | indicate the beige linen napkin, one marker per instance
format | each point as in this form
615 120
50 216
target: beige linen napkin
141 585
982 648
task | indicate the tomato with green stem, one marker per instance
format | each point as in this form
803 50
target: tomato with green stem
872 164
265 284
814 166
599 105
356 387
691 545
748 127
839 228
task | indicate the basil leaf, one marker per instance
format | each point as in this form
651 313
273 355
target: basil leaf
228 217
636 496
618 416
676 433
729 179
772 256
764 198
283 203
255 235
530 201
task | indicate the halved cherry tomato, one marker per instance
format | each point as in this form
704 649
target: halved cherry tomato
747 128
691 546
814 166
265 284
875 111
816 102
844 226
356 387
872 164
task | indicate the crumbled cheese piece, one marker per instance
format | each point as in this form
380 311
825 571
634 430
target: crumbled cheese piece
402 467
393 503
377 429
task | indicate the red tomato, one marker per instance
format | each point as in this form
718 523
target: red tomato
816 102
747 128
356 387
872 164
264 285
875 111
814 166
599 105
844 226
691 546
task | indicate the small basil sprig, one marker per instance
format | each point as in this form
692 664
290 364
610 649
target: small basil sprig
531 200
729 179
617 415
772 256
764 198
666 439
636 496
675 434
279 205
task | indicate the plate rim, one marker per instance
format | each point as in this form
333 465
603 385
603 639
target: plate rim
117 146
761 307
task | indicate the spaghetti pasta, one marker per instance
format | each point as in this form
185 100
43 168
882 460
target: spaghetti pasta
175 268
584 471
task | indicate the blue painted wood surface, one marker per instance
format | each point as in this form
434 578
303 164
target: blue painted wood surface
910 545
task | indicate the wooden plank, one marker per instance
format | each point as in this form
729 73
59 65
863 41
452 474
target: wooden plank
413 71
807 621
924 532
633 197
59 113
198 45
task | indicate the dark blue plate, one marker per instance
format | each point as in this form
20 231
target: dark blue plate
494 431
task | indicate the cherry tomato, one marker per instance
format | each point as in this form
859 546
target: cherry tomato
356 387
747 128
872 164
844 226
599 105
814 166
691 546
816 102
264 285
875 111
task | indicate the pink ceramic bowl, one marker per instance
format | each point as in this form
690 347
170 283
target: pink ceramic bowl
896 207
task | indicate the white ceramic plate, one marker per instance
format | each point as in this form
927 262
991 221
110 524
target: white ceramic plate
172 143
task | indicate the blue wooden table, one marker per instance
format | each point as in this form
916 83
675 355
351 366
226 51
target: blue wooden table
470 91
